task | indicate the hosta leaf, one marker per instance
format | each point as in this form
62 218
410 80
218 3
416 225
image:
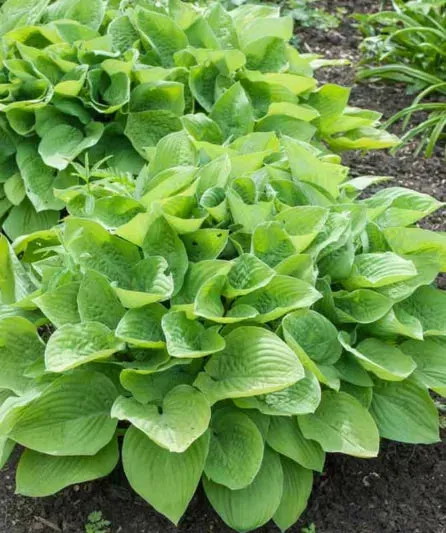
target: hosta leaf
164 34
43 475
316 335
362 306
281 295
233 113
307 167
209 305
341 424
205 244
23 219
235 449
272 244
164 479
301 398
430 358
297 486
97 301
189 338
75 410
251 507
63 143
60 304
153 385
324 373
184 418
142 326
396 323
85 12
405 412
176 149
162 240
285 437
20 346
254 361
417 241
377 270
95 248
149 282
428 305
247 274
73 345
303 223
384 360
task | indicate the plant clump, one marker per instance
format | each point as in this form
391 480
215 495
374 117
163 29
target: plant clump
193 268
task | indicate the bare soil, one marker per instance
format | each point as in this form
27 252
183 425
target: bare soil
403 491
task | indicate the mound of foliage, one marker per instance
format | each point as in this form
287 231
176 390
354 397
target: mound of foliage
214 292
407 45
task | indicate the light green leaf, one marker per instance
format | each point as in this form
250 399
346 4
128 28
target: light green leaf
189 338
405 412
297 486
341 424
235 449
75 410
20 347
233 113
377 270
184 418
301 398
285 437
428 305
41 475
164 479
430 358
73 345
149 282
251 507
205 244
384 360
60 304
97 301
246 275
281 295
142 326
254 361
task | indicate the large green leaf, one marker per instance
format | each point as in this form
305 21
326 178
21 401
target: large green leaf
341 424
430 357
184 418
60 304
42 475
404 412
142 326
251 507
301 398
165 479
189 338
235 450
384 360
20 347
233 112
286 438
297 486
74 410
97 301
254 361
73 345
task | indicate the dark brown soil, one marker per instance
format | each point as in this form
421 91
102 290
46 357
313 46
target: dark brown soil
401 492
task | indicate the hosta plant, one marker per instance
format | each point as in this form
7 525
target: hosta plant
213 302
112 79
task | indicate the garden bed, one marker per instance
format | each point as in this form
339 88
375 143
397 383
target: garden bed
402 491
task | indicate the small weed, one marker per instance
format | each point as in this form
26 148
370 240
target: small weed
309 529
306 14
97 524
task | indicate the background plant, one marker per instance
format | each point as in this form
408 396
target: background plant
215 293
407 45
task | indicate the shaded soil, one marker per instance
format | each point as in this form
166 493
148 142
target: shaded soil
401 492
